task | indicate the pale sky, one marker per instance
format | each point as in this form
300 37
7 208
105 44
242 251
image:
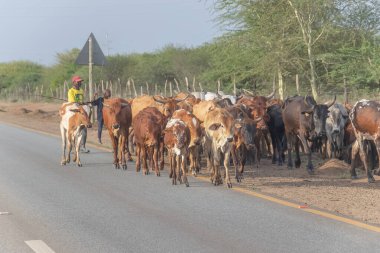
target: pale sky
37 30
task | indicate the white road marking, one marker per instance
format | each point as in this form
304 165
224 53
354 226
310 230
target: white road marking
4 213
39 246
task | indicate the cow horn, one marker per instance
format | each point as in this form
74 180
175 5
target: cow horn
106 105
159 100
270 96
329 105
257 119
248 92
180 100
124 104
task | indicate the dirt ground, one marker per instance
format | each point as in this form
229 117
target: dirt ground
330 189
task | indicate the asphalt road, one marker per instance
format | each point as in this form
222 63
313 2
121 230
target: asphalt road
96 208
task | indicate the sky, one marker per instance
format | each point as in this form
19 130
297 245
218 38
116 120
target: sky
36 30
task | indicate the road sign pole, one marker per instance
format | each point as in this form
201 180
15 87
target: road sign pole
90 63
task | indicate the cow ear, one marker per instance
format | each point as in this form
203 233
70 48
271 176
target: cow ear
214 126
237 125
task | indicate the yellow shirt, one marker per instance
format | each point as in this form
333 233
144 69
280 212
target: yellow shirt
75 95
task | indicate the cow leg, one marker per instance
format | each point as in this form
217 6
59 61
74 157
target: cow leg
267 142
243 157
258 149
235 162
77 150
70 146
138 158
127 149
172 167
297 161
364 160
226 164
63 137
198 158
156 150
279 151
310 168
192 160
162 161
354 152
123 149
290 140
183 165
130 141
377 144
144 158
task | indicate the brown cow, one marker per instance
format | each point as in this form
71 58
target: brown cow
258 109
365 118
244 135
195 137
165 105
219 126
148 138
200 110
177 140
74 118
117 119
304 119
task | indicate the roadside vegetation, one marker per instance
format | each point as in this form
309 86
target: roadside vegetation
321 45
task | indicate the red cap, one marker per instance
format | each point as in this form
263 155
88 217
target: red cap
76 79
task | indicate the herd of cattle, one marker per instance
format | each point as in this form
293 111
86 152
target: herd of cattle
218 127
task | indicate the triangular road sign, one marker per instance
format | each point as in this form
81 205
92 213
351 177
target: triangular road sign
97 53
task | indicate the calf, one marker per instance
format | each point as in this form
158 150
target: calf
117 117
335 124
195 137
74 118
177 140
219 126
304 120
148 138
365 119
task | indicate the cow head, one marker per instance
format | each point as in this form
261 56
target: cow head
179 134
169 104
222 129
337 118
113 108
244 132
83 119
315 116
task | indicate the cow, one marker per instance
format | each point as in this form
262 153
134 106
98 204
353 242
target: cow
258 106
148 131
194 126
244 138
335 124
165 105
277 133
74 118
219 127
177 140
304 120
200 110
117 117
365 121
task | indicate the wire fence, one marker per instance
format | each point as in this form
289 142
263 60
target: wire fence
128 89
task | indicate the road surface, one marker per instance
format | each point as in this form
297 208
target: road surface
46 207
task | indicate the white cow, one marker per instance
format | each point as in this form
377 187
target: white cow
74 119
